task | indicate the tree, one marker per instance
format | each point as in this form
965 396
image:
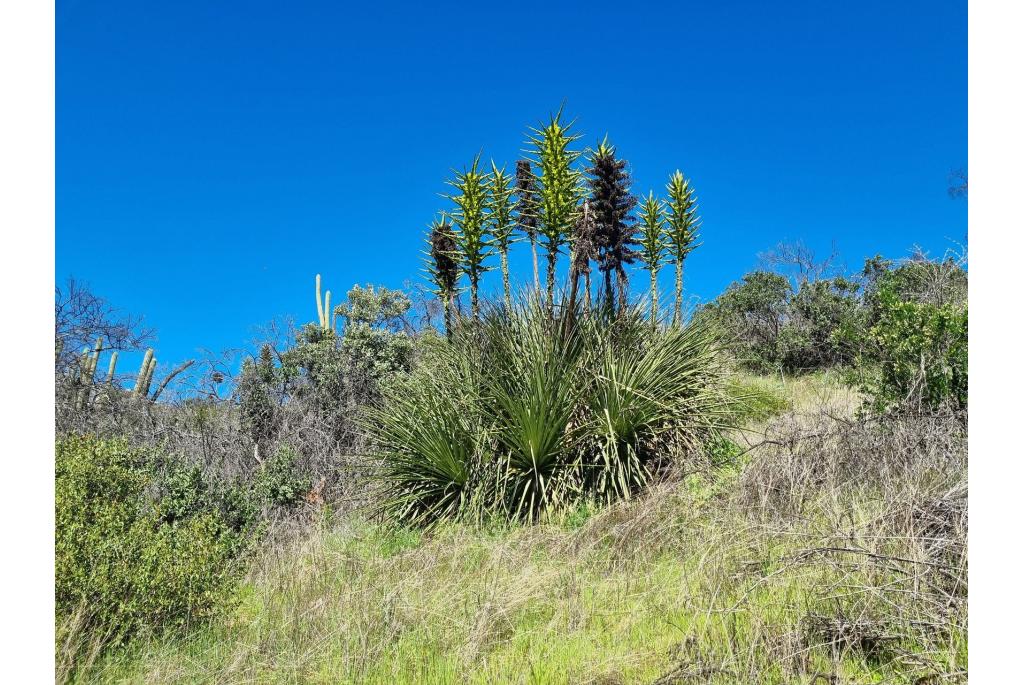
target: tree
559 190
526 210
682 231
502 225
443 266
615 234
470 220
653 244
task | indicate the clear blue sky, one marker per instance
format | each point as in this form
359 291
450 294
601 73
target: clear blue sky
213 156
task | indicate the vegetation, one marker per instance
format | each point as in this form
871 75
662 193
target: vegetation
682 231
140 546
563 485
524 411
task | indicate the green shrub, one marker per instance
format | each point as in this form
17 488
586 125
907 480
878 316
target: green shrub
915 356
132 553
523 411
279 481
776 327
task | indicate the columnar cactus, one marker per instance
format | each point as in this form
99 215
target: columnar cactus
323 309
145 375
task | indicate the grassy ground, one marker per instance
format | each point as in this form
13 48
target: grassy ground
715 578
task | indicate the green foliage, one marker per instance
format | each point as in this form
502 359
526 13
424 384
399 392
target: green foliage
129 561
753 311
775 327
559 189
524 411
256 401
374 338
279 481
915 356
471 225
757 398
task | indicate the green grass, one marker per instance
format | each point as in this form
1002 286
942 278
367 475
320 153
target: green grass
612 601
681 585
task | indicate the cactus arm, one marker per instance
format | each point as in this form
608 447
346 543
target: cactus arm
111 368
319 302
149 376
327 311
140 379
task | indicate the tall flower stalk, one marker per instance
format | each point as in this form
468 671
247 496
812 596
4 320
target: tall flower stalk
615 233
471 223
653 244
559 190
683 223
443 266
500 208
526 210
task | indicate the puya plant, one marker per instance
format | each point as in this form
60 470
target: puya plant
531 410
470 219
614 229
526 210
681 235
502 224
442 266
559 189
653 244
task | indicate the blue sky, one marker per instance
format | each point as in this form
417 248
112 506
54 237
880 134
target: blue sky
212 157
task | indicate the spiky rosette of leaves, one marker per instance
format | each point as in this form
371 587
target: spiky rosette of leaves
612 204
502 225
471 225
442 264
559 189
653 244
681 233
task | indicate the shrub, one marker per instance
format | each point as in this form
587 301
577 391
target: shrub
776 327
915 356
524 411
132 553
279 481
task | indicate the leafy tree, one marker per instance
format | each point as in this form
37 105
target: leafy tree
559 190
682 231
653 244
754 311
615 233
527 210
375 336
502 225
443 265
471 223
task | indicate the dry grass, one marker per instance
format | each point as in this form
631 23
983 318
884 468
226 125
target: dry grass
835 553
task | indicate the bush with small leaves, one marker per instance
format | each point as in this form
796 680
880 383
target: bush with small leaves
132 554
